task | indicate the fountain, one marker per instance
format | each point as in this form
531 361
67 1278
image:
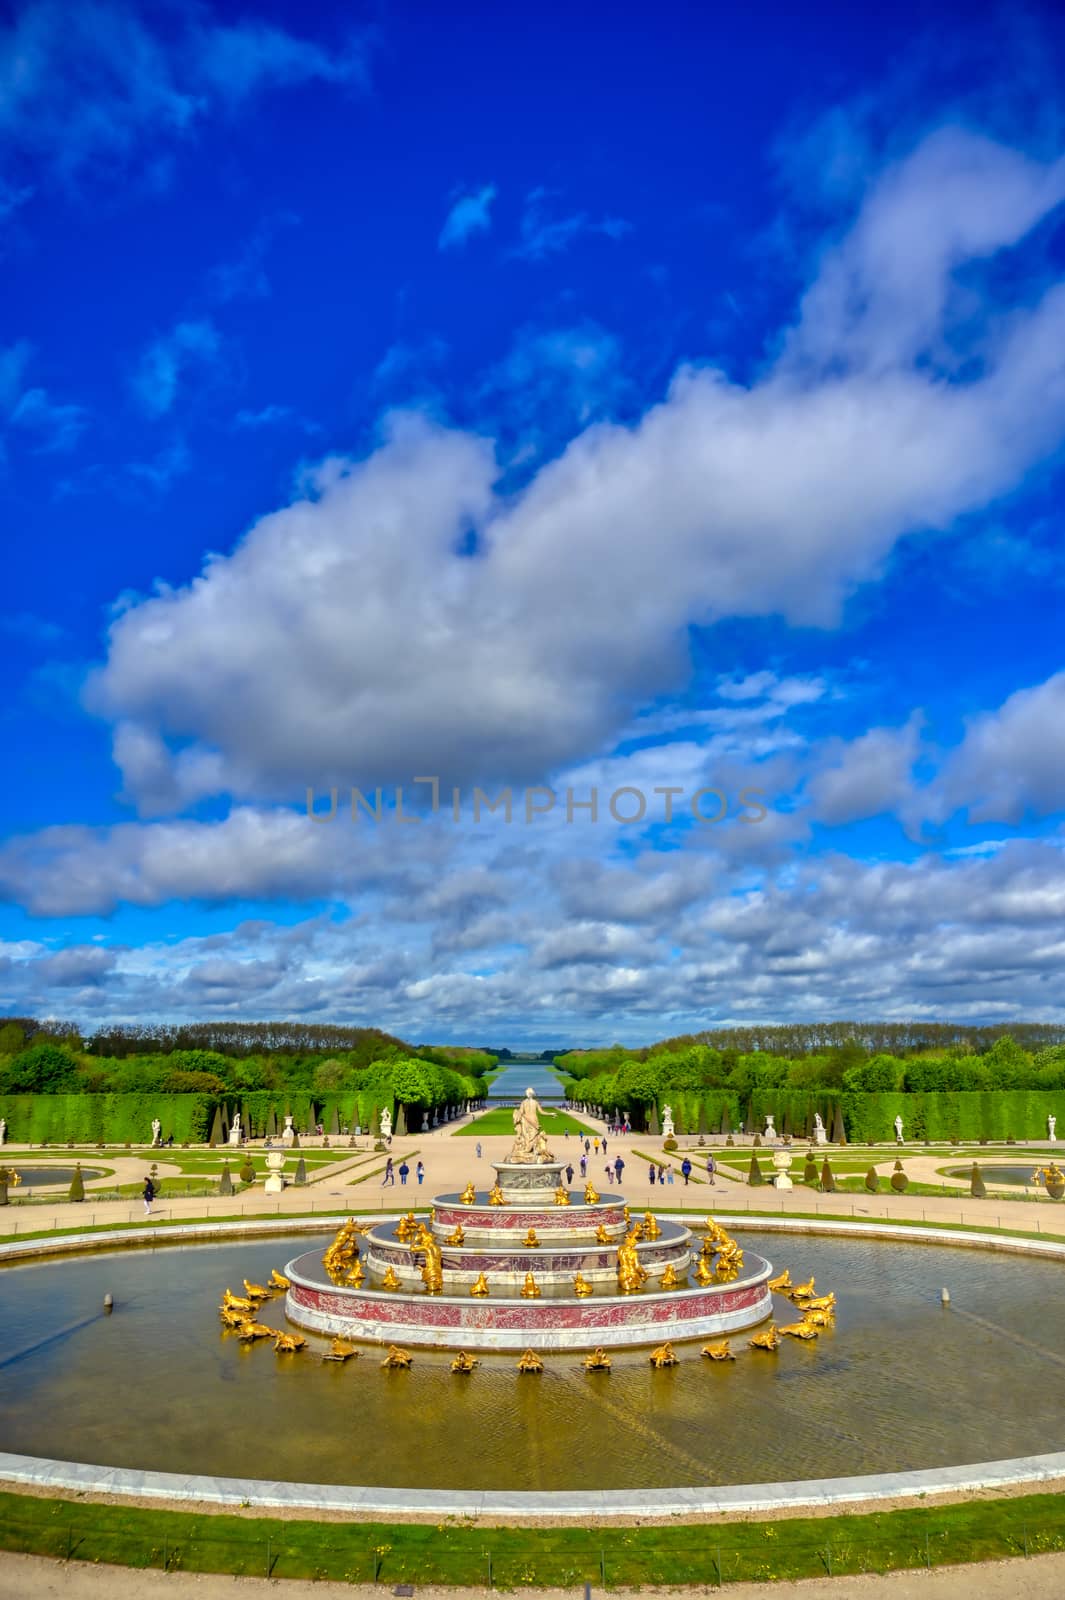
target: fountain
519 1268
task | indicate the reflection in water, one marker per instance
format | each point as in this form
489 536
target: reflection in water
898 1383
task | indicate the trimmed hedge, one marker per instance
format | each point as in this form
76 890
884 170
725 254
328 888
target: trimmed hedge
105 1118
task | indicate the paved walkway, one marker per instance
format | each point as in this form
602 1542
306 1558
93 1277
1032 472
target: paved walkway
353 1183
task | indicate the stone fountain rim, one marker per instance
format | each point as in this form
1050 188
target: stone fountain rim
664 1504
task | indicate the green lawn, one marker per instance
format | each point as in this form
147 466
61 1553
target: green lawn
501 1120
459 1552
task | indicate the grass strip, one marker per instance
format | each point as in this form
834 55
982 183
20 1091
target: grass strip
459 1551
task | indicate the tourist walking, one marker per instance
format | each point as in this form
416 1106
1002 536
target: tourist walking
654 1170
390 1174
669 1175
587 1147
404 1173
584 1166
478 1149
686 1170
596 1143
609 1173
420 1171
711 1168
569 1173
149 1195
619 1168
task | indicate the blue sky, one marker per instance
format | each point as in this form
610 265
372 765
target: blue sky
605 400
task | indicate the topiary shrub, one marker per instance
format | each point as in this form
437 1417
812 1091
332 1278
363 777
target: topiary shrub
730 1141
809 1171
899 1181
669 1144
1010 1139
758 1141
976 1183
301 1173
702 1138
77 1184
295 1141
754 1175
872 1181
247 1170
828 1182
225 1182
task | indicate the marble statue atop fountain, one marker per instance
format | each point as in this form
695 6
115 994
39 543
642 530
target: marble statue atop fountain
530 1140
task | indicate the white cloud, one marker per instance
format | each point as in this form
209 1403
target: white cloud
544 234
469 214
867 776
189 346
1012 760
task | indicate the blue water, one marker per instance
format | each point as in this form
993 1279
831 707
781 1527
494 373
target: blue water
521 1075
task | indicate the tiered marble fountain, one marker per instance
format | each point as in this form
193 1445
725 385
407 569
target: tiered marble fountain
527 1265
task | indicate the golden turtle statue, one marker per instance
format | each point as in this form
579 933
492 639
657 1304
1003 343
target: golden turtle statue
781 1284
598 1360
287 1343
249 1330
768 1339
340 1350
279 1281
664 1356
256 1291
530 1362
721 1351
464 1362
817 1317
800 1330
397 1357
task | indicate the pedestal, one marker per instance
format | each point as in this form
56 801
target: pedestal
782 1161
820 1136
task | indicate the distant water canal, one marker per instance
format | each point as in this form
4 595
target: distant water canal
521 1075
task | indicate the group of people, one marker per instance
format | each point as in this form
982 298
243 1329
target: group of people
404 1173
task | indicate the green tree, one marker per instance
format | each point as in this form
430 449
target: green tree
42 1069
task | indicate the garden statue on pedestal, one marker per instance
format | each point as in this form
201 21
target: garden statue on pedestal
288 1132
3 1130
157 1132
667 1122
898 1131
770 1131
530 1141
235 1131
1052 1123
819 1129
386 1124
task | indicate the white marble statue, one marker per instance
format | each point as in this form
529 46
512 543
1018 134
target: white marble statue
530 1141
667 1122
898 1131
386 1124
157 1131
288 1132
1052 1123
3 1130
820 1135
770 1131
235 1130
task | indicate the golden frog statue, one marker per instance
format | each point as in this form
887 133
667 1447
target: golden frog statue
581 1286
800 1330
650 1226
397 1357
231 1317
704 1276
601 1235
781 1284
255 1330
561 1196
236 1302
390 1281
407 1227
530 1241
256 1291
817 1318
286 1343
721 1351
819 1302
481 1285
279 1281
464 1362
530 1289
625 1214
768 1339
495 1195
598 1360
664 1356
670 1279
433 1270
591 1194
458 1236
468 1197
340 1350
356 1275
530 1362
803 1291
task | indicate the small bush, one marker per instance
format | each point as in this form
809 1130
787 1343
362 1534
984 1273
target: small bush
828 1182
247 1170
758 1141
301 1173
899 1181
669 1144
77 1184
730 1141
225 1182
809 1171
872 1181
976 1183
754 1174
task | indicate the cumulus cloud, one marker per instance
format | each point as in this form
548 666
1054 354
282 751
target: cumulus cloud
469 214
1012 760
867 776
282 660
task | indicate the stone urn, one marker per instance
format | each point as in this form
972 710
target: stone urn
782 1162
275 1161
